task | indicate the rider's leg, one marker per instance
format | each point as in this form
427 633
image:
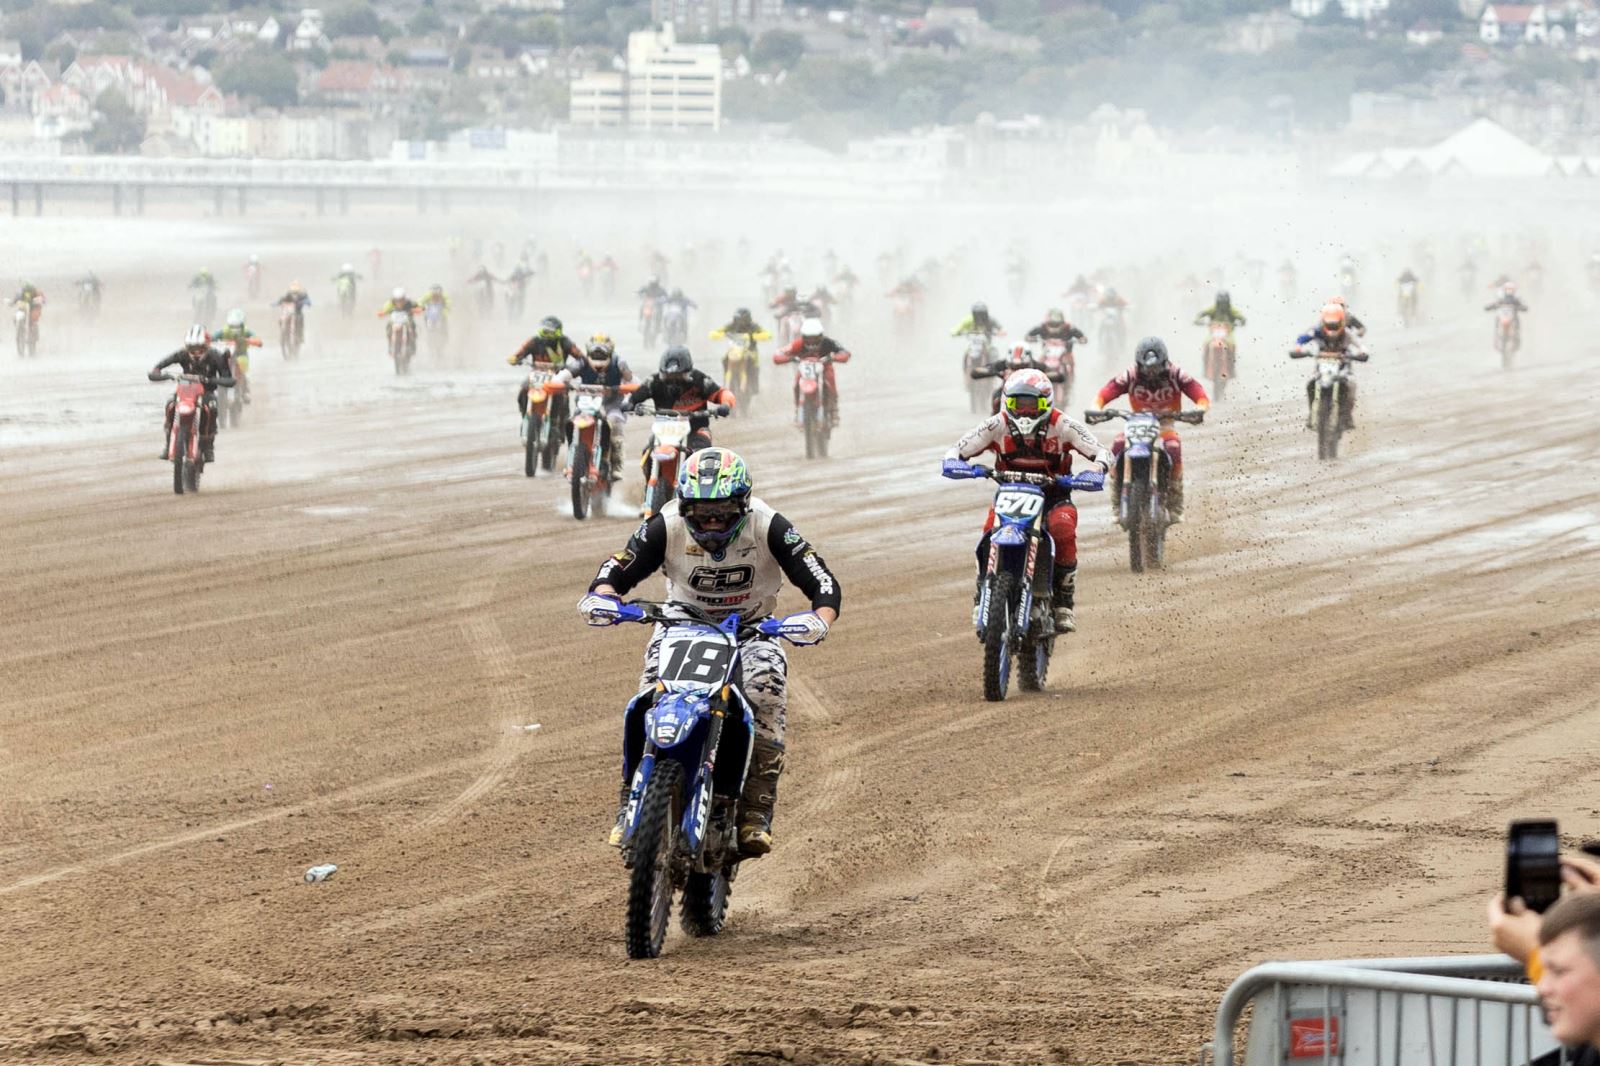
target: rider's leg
1174 446
166 430
1062 523
1347 404
522 400
833 395
1311 402
766 687
615 422
208 429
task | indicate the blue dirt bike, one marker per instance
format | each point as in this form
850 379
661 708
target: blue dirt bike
1014 616
686 748
1145 464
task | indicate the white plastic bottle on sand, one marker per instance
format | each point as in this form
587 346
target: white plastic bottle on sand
320 873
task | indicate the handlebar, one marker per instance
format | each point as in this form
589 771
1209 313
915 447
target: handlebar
1096 417
1087 481
645 611
1345 357
720 410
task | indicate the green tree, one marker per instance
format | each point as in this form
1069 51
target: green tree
778 49
425 21
116 126
354 20
263 74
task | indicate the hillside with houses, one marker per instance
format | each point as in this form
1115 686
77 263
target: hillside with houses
371 80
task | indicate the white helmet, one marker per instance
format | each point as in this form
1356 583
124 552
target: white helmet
348 268
399 293
197 337
255 258
236 317
811 327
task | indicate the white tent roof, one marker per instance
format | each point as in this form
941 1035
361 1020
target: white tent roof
1484 149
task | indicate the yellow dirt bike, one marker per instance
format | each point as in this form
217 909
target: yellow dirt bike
741 363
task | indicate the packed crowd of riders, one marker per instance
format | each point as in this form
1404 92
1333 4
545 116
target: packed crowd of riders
720 547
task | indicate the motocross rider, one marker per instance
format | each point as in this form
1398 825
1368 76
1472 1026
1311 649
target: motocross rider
601 365
678 386
787 303
487 280
814 343
296 299
28 294
1333 334
1153 383
978 321
1508 298
199 358
1020 358
233 336
347 272
399 301
550 346
1031 435
722 549
203 281
1055 327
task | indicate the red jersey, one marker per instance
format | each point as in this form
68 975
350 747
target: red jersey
1164 397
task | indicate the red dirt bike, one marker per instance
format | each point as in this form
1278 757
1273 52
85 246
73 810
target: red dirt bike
811 380
27 317
1507 335
1057 357
1219 356
183 439
401 336
588 445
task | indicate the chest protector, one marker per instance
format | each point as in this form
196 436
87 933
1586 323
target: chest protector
743 577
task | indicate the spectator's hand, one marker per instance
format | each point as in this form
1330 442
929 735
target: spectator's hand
1580 873
1513 928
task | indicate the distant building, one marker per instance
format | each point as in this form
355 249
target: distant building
703 16
672 85
1513 24
1361 10
600 98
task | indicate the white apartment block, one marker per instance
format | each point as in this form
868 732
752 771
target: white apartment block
672 85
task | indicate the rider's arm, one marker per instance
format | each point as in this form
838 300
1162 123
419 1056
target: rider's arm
1117 386
1077 335
803 566
1076 435
965 327
984 437
171 360
643 556
787 352
523 353
1036 333
1194 390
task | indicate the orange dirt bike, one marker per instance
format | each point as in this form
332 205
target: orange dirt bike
1219 358
669 443
291 330
27 315
400 333
544 423
589 444
1507 335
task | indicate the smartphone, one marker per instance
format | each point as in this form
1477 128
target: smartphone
1533 863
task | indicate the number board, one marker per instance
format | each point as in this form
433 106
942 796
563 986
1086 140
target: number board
1014 503
690 657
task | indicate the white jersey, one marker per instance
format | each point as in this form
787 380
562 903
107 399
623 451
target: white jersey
744 577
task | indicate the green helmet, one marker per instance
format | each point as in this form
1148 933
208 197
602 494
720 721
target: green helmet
714 488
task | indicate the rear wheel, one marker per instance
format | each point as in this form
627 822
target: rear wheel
580 482
704 906
650 884
997 638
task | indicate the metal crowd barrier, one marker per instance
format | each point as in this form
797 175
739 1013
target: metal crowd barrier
1465 1010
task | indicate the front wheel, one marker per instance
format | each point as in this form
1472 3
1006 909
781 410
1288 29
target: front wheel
650 884
580 482
1327 427
997 637
1138 515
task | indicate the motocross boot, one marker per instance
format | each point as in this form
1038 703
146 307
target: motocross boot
760 794
1174 500
615 840
1066 583
208 449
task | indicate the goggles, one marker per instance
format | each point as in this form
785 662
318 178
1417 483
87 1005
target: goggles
717 513
1027 405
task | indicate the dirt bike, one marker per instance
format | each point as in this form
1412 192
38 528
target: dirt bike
1057 357
401 335
589 446
649 322
904 309
346 288
1507 335
669 443
517 300
1015 620
1146 464
291 331
204 303
741 365
27 315
980 353
544 425
435 323
252 279
675 323
1333 373
1347 286
789 324
686 750
1219 358
1113 329
183 439
586 278
1408 304
89 298
811 379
